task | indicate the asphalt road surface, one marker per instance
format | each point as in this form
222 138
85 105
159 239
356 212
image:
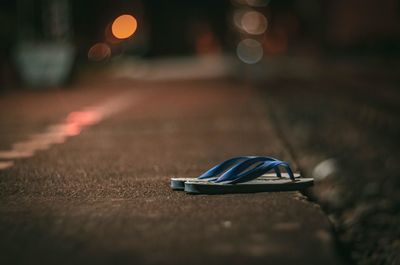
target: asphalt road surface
84 178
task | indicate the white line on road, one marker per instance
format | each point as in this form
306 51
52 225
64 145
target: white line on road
73 125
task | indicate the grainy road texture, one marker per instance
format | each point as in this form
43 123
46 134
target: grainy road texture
102 196
344 130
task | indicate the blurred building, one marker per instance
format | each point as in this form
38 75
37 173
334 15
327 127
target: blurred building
175 28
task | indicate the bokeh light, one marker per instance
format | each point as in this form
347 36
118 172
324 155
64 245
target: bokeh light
253 22
109 36
249 51
99 52
124 26
237 18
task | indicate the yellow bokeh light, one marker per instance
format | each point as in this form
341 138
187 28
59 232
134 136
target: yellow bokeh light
124 26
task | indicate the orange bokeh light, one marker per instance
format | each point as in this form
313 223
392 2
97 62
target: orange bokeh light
99 51
124 26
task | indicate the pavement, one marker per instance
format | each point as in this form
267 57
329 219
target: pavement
340 126
84 178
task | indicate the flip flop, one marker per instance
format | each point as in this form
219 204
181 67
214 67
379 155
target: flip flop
216 171
240 179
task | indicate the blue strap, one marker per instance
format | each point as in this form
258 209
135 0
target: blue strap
214 171
245 165
259 171
218 169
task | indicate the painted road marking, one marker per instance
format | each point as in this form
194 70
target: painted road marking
72 126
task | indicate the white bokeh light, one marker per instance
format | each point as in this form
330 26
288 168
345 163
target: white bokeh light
249 51
253 22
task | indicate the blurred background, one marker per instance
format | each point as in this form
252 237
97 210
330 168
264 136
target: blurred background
65 36
328 70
